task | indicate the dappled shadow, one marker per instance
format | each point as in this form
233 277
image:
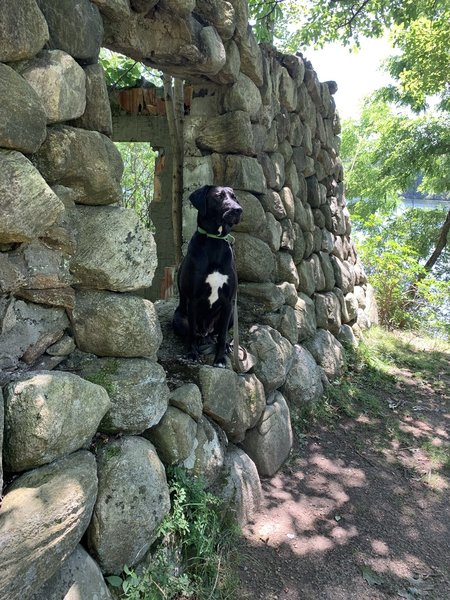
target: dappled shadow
361 511
341 527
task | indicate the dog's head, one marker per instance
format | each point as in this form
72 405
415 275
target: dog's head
218 208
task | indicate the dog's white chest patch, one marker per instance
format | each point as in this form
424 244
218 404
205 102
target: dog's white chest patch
215 281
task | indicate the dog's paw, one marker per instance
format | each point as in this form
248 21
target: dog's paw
193 356
220 364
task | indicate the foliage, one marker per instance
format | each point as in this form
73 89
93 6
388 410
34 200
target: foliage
385 151
405 300
123 72
419 32
424 63
189 558
138 178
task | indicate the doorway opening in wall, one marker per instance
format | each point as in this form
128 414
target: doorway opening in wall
141 133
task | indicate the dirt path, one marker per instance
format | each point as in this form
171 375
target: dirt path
362 509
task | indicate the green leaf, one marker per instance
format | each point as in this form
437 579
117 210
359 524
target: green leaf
114 580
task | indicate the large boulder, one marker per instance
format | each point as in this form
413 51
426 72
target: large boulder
23 30
327 352
45 513
22 116
305 316
97 115
220 392
114 250
59 82
78 577
240 172
307 282
270 442
251 404
328 311
254 259
174 436
133 498
265 296
188 398
231 132
240 486
253 216
27 330
344 274
40 269
86 161
29 206
136 387
49 414
274 354
109 324
303 383
234 402
75 26
208 455
243 96
251 56
220 14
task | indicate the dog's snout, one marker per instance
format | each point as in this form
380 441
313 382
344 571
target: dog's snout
233 215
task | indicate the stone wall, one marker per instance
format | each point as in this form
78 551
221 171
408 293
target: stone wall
94 400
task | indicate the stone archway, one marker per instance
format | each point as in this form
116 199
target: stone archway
79 348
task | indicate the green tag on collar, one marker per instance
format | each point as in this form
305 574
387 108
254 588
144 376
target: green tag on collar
227 238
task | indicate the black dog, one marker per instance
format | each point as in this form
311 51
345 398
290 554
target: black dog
207 276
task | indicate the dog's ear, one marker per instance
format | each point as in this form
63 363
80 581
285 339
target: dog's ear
198 199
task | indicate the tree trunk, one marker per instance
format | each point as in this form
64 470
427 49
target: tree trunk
440 245
174 99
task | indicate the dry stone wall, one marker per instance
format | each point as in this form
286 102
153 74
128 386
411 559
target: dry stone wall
83 356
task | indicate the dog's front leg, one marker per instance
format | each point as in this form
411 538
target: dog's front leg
193 353
222 328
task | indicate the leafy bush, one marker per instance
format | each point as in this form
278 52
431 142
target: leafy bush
190 556
405 299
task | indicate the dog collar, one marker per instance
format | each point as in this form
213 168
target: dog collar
227 238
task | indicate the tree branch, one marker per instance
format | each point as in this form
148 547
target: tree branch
440 245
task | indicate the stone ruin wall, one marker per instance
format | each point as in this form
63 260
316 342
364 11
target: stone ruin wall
95 403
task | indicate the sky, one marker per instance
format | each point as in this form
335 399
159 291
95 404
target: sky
356 73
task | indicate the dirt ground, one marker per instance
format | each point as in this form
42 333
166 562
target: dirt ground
361 511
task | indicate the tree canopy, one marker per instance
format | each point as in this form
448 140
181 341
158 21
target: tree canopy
419 31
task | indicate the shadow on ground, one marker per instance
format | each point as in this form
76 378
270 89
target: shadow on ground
362 509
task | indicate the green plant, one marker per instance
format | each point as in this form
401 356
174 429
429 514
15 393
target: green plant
138 178
190 556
